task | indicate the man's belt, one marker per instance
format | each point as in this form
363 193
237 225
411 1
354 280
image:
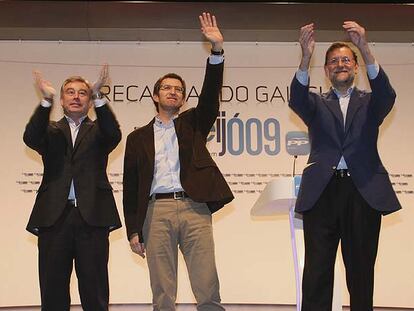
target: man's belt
179 195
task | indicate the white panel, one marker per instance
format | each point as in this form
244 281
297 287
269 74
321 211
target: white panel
253 255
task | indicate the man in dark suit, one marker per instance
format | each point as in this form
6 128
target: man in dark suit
75 209
345 188
172 185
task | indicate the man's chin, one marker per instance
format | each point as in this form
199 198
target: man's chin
345 82
75 113
172 106
342 76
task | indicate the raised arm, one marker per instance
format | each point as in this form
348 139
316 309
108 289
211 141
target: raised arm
299 100
208 102
36 130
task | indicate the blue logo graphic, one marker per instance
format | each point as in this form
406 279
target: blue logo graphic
252 136
297 143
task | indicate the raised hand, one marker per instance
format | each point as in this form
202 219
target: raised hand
357 36
102 79
307 44
356 33
44 86
211 31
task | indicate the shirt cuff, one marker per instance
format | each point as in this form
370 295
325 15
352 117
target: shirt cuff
99 102
373 70
45 103
215 59
302 77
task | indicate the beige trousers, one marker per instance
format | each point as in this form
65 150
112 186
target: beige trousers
186 224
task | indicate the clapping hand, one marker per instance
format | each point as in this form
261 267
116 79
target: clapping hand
44 86
102 79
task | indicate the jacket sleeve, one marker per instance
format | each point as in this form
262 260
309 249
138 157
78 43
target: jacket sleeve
382 96
35 134
130 187
108 126
208 102
300 101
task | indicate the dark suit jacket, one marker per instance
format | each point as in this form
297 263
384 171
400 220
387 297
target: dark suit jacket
357 142
199 174
85 163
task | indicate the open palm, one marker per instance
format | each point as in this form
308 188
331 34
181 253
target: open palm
210 30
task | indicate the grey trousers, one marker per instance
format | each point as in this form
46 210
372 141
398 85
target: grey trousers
186 224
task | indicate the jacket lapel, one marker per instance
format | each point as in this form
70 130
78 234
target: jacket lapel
354 104
332 102
63 125
85 127
148 142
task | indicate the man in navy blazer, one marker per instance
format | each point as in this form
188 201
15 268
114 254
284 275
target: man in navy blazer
345 188
75 209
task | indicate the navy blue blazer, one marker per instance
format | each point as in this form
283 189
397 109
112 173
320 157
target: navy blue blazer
356 141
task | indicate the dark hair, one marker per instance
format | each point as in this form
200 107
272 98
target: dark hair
338 45
157 85
75 79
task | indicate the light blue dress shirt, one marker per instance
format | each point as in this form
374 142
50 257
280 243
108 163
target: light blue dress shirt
167 162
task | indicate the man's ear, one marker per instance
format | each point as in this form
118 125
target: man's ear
156 98
326 71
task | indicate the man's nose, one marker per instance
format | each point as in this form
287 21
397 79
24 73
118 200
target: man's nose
76 96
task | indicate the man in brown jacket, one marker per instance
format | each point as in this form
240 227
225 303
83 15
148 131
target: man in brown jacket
172 185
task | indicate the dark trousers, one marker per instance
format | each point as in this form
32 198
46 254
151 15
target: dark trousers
340 214
71 239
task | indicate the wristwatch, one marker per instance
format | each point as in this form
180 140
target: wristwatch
217 53
48 99
97 95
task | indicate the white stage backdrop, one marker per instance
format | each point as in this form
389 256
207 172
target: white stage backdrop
252 146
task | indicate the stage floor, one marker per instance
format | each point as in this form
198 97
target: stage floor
241 307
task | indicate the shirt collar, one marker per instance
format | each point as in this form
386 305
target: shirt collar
158 122
347 94
70 121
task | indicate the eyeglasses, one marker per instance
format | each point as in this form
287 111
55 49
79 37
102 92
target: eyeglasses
335 61
72 92
166 87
